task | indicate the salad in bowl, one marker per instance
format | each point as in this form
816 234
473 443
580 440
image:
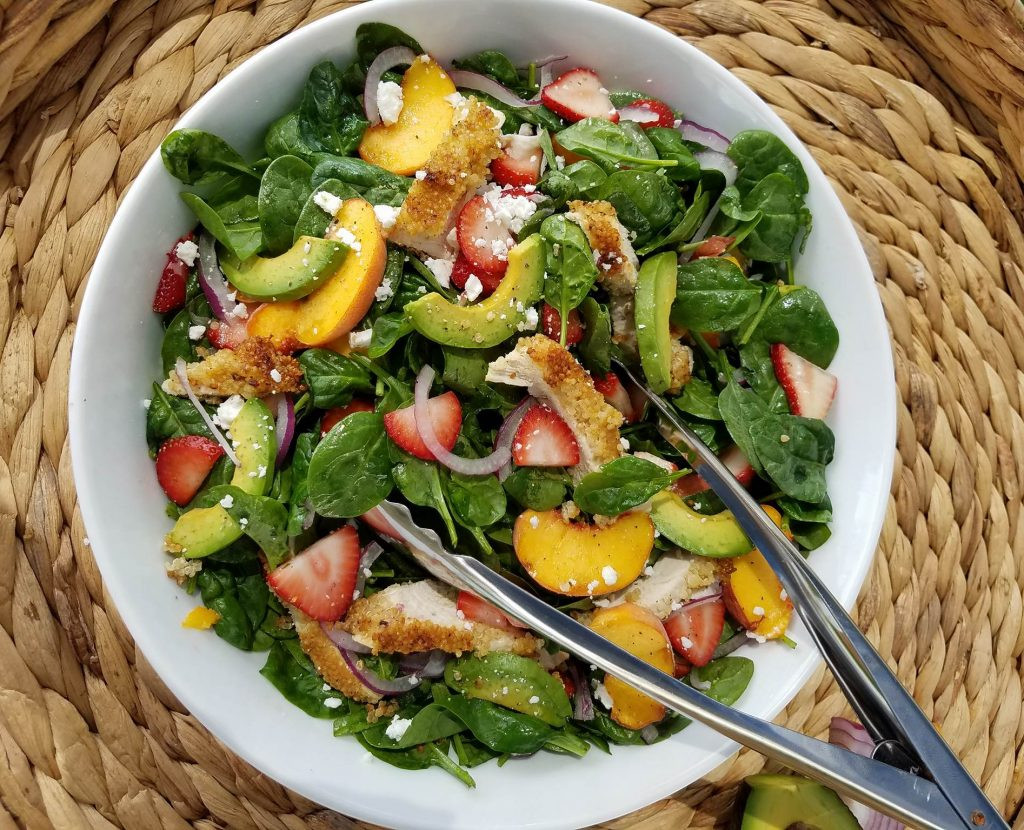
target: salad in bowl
416 293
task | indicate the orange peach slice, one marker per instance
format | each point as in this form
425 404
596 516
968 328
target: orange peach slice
754 595
426 118
579 559
641 633
335 308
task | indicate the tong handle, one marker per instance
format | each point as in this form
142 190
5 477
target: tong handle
888 711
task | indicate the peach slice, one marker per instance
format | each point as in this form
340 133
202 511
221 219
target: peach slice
426 118
578 559
754 595
342 301
639 632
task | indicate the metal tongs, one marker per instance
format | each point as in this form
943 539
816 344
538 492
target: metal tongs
913 775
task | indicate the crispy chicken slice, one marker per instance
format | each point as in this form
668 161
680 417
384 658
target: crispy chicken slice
553 376
452 173
613 253
673 579
682 366
328 660
422 616
254 369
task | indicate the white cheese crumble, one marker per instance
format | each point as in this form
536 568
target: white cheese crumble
512 211
441 269
327 202
187 252
275 375
532 318
239 312
386 215
534 522
228 411
473 287
349 238
389 101
609 575
196 332
332 702
384 291
421 175
396 729
601 693
624 443
360 339
534 699
686 642
758 611
228 501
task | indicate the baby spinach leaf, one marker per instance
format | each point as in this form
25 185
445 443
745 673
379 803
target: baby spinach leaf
240 597
685 228
712 294
756 360
566 742
559 189
353 720
621 485
536 488
298 508
284 189
493 64
330 119
587 176
800 320
499 729
595 347
418 757
603 725
740 408
471 753
359 174
731 205
374 38
699 399
313 220
805 512
571 272
242 237
171 417
262 519
431 723
283 139
293 675
387 330
197 157
333 379
644 201
420 483
729 677
810 535
465 369
476 501
758 153
176 342
350 470
794 452
612 146
670 145
783 217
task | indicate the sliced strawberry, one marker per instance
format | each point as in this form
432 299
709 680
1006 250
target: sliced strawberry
567 682
182 465
484 241
809 388
713 246
321 580
463 269
519 162
480 610
227 335
579 94
446 416
696 628
375 519
551 325
339 413
543 439
615 393
682 667
712 338
733 458
170 290
648 112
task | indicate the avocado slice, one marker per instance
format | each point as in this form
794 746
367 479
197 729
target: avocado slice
205 530
288 276
513 682
780 801
655 293
717 536
491 321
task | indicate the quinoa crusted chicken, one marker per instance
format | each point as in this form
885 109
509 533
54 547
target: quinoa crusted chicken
253 369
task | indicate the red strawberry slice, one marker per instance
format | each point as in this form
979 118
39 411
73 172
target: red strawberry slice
649 112
321 580
615 393
519 162
696 628
339 413
483 238
579 94
567 682
682 667
170 290
544 440
809 388
227 335
733 458
551 325
713 246
480 610
182 465
445 414
463 269
375 519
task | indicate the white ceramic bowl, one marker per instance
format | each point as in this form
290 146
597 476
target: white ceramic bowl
116 358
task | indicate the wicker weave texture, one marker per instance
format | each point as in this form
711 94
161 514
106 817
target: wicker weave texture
89 737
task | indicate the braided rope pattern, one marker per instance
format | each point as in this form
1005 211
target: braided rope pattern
90 738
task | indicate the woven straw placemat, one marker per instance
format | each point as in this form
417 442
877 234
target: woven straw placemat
90 738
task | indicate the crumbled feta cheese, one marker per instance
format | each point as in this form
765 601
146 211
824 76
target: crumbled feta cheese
332 702
146 403
384 290
421 175
753 635
187 252
389 101
227 501
360 339
307 247
512 211
441 269
239 312
262 471
499 117
326 687
386 215
327 202
624 443
275 375
560 162
609 575
396 729
534 699
592 585
783 595
758 611
686 642
349 238
473 287
243 521
784 438
532 318
456 99
601 693
228 411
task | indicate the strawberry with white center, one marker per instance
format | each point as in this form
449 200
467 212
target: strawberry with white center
321 580
463 270
445 413
519 162
615 393
809 389
696 628
182 465
648 112
579 94
736 462
227 335
470 607
543 439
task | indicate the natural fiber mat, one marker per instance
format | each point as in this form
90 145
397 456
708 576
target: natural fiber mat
89 738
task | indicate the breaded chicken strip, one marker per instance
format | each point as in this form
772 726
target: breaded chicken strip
553 376
672 580
253 369
682 366
613 253
328 660
455 169
422 616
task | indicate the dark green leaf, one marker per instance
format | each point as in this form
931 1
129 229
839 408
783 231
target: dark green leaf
781 207
350 470
298 509
420 483
800 320
587 176
712 294
810 535
431 723
176 342
283 139
294 676
355 172
571 272
758 153
685 228
374 38
670 145
330 119
595 347
806 512
644 201
262 519
699 399
387 330
243 238
240 599
611 145
284 189
334 379
794 452
536 488
313 220
496 727
197 157
170 417
728 678
621 485
495 65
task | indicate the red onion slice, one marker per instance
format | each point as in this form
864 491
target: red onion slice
343 640
730 645
698 133
284 424
212 279
374 682
507 432
582 701
424 663
649 734
370 554
855 738
388 59
465 79
467 466
182 373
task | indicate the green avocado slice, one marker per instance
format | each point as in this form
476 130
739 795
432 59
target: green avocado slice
655 293
297 272
490 321
777 802
513 682
716 536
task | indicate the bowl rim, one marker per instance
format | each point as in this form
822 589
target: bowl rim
90 499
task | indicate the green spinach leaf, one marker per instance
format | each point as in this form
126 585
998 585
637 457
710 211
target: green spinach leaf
262 519
293 675
497 728
241 600
493 64
283 139
171 417
621 485
176 342
596 346
196 157
571 272
670 144
298 509
242 237
699 399
783 217
611 146
644 201
712 294
420 483
374 38
387 330
330 119
728 678
800 320
350 470
284 189
334 379
313 220
759 153
536 488
431 723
